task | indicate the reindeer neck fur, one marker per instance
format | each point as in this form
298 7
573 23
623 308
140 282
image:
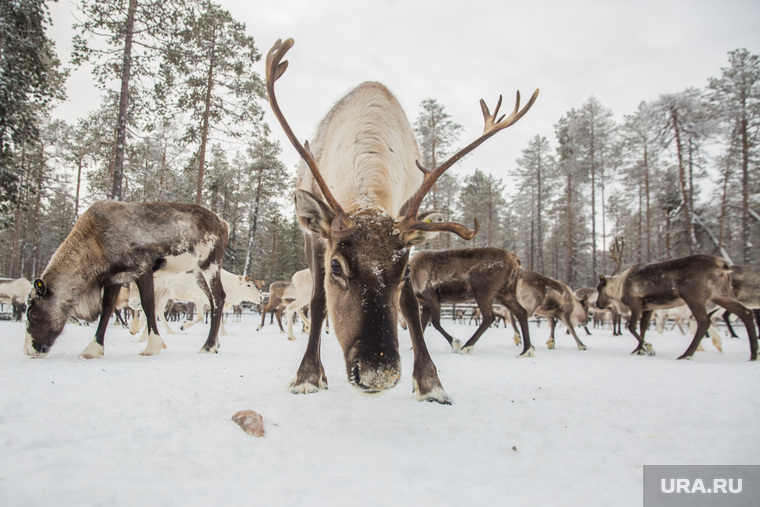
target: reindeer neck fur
366 152
77 290
615 288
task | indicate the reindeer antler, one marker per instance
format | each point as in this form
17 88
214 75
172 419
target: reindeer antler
275 68
410 222
616 251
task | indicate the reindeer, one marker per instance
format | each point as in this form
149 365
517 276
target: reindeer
182 286
364 157
745 280
114 243
550 298
694 280
301 284
280 293
456 276
16 291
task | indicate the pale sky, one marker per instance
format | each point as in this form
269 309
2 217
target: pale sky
457 52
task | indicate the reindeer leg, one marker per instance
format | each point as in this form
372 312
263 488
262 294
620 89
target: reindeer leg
212 283
745 315
304 319
263 318
486 311
726 319
552 324
311 377
578 342
699 312
425 379
95 349
522 317
643 348
434 310
147 300
517 338
278 314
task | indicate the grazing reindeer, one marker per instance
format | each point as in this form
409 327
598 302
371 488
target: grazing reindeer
114 243
278 298
694 280
456 276
363 159
547 297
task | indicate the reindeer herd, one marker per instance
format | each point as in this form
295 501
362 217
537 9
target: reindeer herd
358 198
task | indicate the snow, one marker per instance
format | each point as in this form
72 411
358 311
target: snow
566 427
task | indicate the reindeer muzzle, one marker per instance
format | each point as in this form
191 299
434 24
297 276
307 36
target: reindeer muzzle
375 375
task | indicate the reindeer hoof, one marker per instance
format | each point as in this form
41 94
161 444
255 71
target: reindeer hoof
648 349
435 394
582 347
308 387
209 350
456 345
463 350
528 353
685 357
93 351
550 344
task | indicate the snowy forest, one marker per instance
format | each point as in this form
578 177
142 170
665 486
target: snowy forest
182 120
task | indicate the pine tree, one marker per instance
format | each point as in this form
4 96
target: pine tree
210 76
735 101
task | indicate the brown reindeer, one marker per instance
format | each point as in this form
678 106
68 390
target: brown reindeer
276 303
114 243
358 198
745 280
694 280
456 276
544 296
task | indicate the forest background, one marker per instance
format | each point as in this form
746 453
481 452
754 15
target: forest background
180 114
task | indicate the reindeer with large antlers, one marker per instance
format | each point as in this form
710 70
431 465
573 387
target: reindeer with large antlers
359 193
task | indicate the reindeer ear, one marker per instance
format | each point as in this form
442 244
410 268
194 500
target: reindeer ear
40 288
413 238
313 214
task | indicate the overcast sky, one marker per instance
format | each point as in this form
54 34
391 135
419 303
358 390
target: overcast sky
457 52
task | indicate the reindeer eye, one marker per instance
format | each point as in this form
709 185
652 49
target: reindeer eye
336 269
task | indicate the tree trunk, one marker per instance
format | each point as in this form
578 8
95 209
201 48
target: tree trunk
593 200
121 125
648 256
539 205
79 184
569 279
682 180
254 218
204 131
745 191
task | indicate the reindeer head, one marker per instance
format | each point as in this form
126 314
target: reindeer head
365 251
45 319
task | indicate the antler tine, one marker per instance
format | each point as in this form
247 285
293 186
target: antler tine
491 127
616 252
275 68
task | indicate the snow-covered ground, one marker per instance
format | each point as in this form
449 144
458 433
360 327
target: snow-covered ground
566 427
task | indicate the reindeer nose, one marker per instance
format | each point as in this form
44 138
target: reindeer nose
375 376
